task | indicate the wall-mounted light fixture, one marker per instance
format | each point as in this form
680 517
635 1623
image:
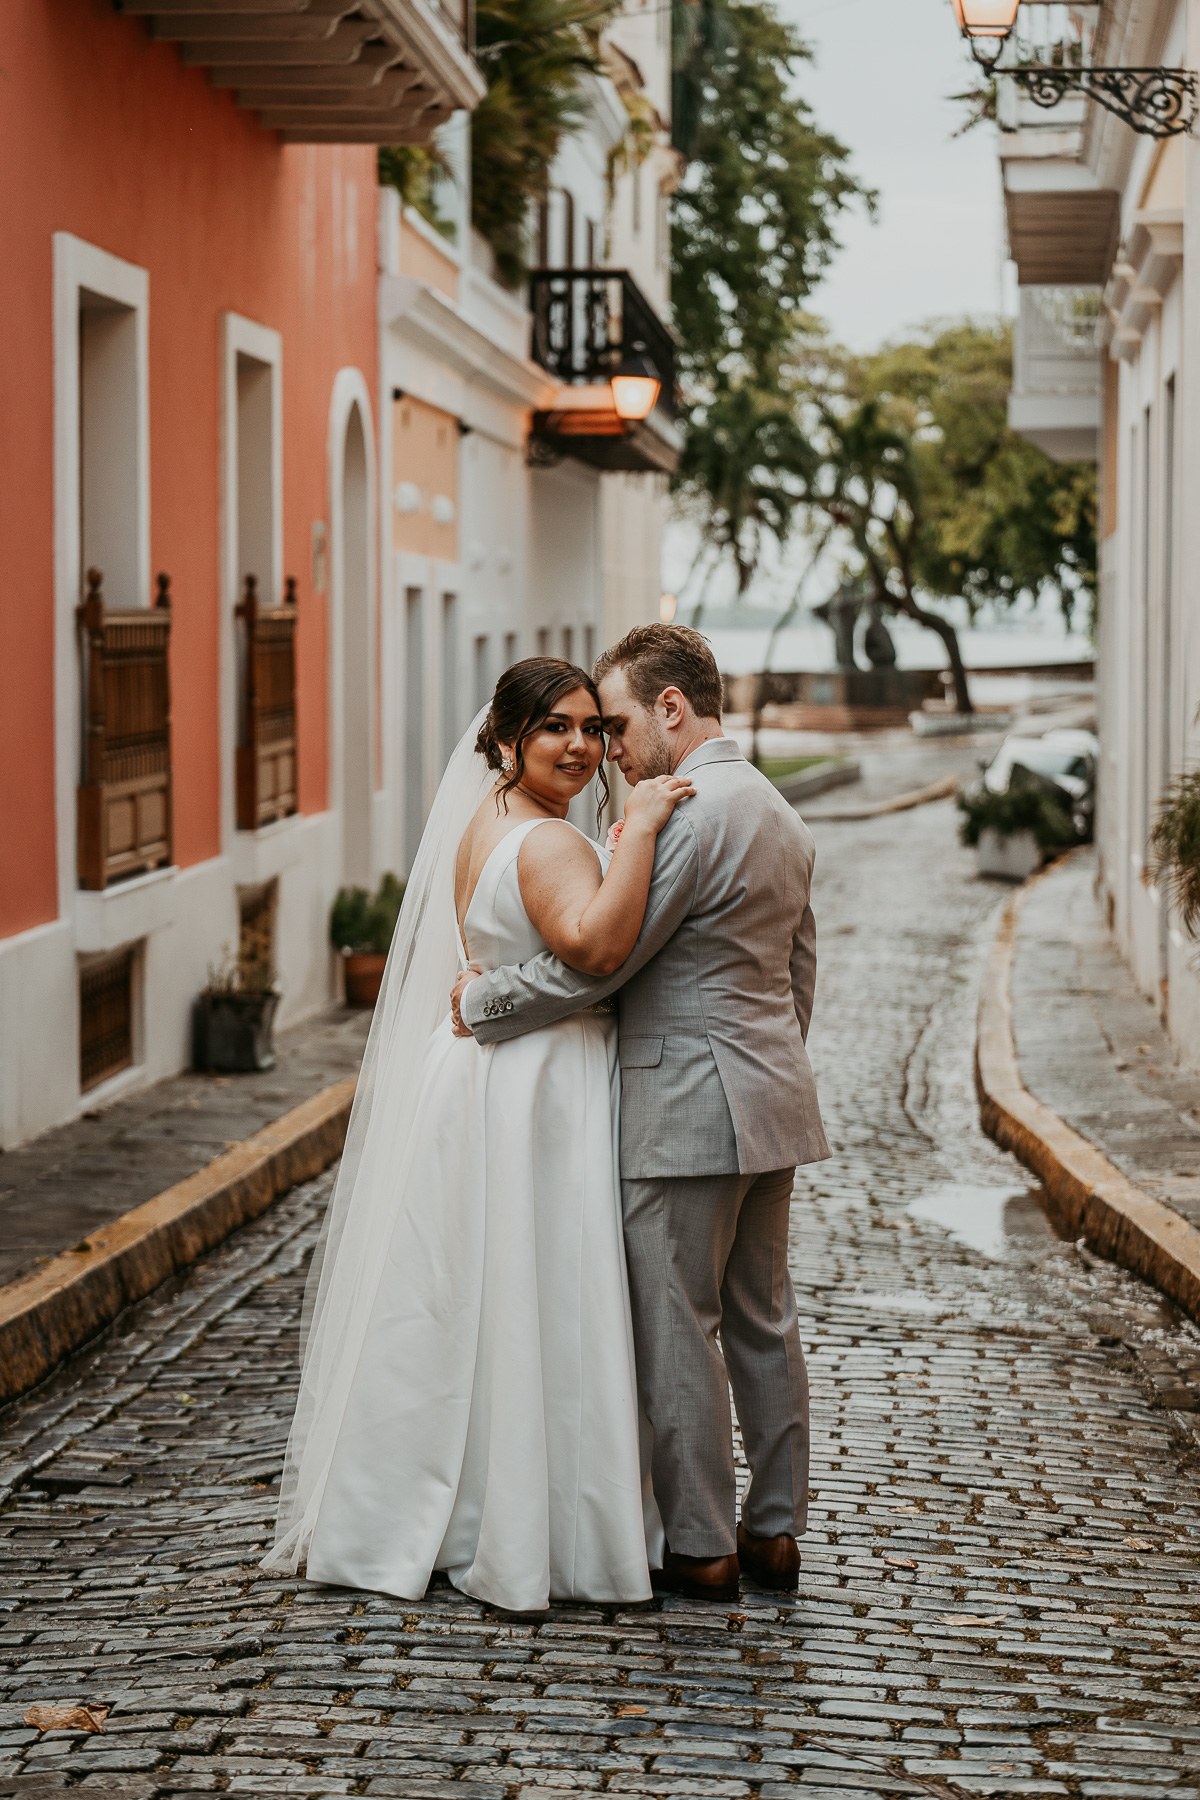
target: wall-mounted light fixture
986 25
1157 103
635 387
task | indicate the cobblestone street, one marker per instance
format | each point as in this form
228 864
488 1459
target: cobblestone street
1001 1580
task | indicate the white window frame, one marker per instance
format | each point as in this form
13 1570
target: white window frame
79 265
349 390
247 338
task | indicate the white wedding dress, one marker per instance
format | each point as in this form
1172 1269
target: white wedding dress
486 1419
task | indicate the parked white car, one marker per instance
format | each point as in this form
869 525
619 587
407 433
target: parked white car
1065 758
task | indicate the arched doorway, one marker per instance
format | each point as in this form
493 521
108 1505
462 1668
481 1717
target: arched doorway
355 590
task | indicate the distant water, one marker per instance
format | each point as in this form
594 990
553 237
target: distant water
808 644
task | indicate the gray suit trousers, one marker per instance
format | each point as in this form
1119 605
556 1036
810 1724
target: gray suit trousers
707 1259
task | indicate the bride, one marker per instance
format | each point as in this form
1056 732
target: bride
467 1398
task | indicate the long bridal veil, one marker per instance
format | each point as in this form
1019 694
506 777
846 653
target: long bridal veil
424 959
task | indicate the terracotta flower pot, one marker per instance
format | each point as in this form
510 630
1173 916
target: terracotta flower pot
364 972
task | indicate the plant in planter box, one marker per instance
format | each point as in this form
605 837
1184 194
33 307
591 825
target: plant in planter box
361 927
1175 848
234 1017
1013 830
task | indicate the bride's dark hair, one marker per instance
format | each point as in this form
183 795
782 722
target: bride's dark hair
526 694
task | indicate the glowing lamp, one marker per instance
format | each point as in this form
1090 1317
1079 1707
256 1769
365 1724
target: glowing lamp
666 608
635 388
986 25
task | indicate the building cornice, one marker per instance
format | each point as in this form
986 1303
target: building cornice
426 318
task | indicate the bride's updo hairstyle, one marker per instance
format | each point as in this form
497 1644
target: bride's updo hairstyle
526 694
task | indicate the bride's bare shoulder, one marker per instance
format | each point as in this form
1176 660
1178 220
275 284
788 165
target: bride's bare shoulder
556 845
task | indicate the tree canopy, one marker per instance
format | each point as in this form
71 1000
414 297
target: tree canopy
752 231
1001 517
753 219
742 471
914 458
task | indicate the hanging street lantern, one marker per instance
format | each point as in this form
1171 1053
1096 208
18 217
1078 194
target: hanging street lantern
986 25
1154 102
635 387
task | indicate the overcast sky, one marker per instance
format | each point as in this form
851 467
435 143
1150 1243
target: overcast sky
882 73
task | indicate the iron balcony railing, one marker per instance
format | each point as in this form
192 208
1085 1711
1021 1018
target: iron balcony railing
586 320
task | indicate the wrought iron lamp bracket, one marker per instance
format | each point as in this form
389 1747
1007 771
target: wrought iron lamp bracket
1158 103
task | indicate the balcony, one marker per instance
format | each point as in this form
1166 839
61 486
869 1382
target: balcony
329 71
585 322
124 798
1057 395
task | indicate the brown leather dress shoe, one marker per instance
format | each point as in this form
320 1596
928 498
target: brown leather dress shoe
772 1562
697 1577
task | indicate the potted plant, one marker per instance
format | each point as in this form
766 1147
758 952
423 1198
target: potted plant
1175 848
234 1017
1013 831
361 927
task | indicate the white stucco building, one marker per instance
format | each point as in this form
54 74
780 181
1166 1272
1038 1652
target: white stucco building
1101 223
520 516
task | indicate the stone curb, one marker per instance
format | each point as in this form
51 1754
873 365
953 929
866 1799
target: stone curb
808 782
1091 1197
941 789
48 1314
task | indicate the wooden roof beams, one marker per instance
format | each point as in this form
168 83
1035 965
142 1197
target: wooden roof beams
329 71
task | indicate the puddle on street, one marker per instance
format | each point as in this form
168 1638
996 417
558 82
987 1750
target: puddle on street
905 1302
988 1219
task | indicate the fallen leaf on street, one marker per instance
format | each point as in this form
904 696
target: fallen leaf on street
66 1718
971 1619
627 1712
186 1399
900 1562
906 1509
1138 1543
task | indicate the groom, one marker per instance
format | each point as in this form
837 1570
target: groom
718 1105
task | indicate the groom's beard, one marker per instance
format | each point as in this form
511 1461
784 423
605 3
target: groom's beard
651 755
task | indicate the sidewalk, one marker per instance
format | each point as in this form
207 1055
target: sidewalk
1090 1046
71 1181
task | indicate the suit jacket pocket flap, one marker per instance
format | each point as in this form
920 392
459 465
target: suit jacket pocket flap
640 1052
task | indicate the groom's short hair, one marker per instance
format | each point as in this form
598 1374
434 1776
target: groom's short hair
655 657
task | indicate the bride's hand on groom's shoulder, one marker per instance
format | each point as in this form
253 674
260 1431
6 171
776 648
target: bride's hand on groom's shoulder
456 994
651 802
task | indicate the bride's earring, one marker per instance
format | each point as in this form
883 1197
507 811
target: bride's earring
506 764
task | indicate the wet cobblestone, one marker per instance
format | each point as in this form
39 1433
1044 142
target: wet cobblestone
1001 1583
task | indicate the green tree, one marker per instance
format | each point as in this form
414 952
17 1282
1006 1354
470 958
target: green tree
752 228
1004 518
752 231
939 496
741 472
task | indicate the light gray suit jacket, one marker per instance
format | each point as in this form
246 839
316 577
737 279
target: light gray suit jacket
716 995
